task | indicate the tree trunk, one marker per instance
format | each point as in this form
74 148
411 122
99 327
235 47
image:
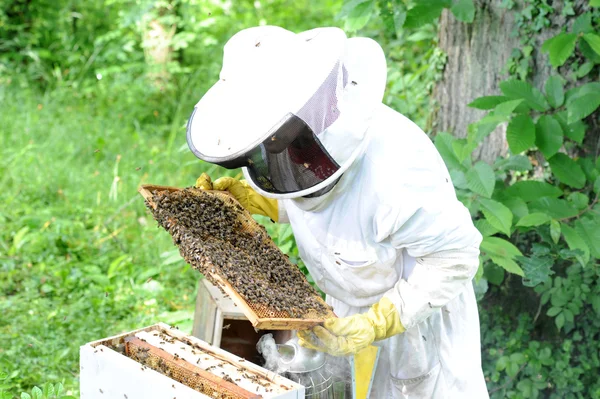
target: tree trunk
477 56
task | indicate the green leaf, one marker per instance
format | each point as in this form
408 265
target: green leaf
560 321
487 102
508 264
393 15
357 14
575 131
518 89
582 106
593 40
553 311
537 270
48 390
36 393
588 52
597 185
464 10
584 69
531 190
534 219
494 273
59 389
578 91
580 200
574 241
501 363
518 358
560 48
589 231
512 370
461 149
590 170
583 23
443 143
520 133
555 230
485 228
505 109
481 129
569 317
517 206
25 395
497 214
556 208
519 163
481 179
555 91
425 12
459 180
596 303
527 388
594 3
499 247
399 16
567 170
549 135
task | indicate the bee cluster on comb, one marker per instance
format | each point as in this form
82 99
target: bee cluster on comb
213 239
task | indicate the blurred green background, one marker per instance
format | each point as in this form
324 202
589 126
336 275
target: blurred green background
94 99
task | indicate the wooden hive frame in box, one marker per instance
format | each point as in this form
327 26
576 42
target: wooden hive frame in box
161 362
260 316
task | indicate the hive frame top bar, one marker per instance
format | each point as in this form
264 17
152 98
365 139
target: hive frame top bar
263 323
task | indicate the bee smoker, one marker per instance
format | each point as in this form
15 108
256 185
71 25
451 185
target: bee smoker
308 368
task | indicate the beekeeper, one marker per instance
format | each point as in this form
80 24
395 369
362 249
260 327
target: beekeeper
369 199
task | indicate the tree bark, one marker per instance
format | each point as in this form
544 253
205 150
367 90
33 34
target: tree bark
477 56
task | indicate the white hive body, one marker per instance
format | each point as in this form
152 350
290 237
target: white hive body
124 367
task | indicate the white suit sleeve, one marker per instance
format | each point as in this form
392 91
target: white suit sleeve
283 216
435 228
445 244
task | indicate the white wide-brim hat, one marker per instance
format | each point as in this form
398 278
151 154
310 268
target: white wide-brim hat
269 72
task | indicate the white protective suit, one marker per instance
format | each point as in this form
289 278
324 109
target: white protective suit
296 112
392 226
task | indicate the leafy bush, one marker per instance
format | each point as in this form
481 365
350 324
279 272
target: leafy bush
538 211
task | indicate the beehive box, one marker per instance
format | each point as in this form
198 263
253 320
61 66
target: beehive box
162 362
261 316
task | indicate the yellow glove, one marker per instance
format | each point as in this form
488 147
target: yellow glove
348 335
255 203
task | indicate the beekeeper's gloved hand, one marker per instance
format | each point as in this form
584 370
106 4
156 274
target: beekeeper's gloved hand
255 203
348 335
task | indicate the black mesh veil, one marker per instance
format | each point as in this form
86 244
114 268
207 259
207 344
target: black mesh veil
298 163
292 158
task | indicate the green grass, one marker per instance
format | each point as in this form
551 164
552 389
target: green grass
80 257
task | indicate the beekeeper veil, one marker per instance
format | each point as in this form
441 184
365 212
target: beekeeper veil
291 109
